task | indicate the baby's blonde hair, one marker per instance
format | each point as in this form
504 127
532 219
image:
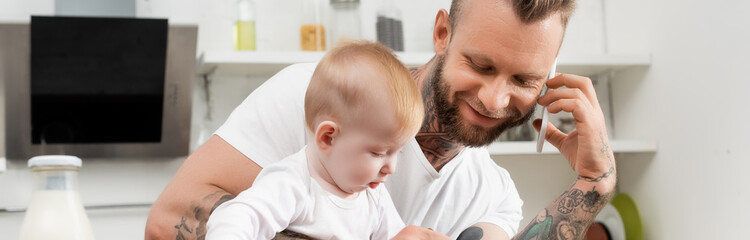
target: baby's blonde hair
338 91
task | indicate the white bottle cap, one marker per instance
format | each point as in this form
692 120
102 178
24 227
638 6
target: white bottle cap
55 160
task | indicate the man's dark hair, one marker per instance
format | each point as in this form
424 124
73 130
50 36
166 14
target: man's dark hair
528 11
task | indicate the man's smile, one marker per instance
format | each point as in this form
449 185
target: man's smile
476 116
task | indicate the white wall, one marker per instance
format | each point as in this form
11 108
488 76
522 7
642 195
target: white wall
126 181
692 100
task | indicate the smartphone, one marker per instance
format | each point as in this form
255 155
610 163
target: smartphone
545 114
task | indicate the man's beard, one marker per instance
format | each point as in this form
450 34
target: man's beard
449 117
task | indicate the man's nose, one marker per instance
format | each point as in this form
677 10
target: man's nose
495 95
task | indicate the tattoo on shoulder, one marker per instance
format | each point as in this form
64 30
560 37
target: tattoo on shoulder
182 228
222 199
193 224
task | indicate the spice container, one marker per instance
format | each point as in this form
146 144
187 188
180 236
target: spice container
312 31
345 22
389 27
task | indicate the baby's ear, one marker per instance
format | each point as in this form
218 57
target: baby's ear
325 135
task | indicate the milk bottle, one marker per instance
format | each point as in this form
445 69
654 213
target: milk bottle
55 211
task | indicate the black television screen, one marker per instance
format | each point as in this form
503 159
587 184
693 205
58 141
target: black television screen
97 80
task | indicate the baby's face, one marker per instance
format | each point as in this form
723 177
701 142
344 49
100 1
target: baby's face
364 155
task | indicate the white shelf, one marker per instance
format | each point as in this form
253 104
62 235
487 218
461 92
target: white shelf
260 63
528 148
269 63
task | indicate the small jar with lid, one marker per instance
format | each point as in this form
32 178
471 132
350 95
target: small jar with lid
389 28
313 30
345 21
55 210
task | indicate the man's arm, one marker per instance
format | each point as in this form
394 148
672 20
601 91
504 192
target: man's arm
569 216
588 153
213 174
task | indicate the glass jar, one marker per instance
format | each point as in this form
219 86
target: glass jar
55 210
312 31
389 27
244 27
345 22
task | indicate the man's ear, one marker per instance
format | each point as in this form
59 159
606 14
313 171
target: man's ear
441 34
325 135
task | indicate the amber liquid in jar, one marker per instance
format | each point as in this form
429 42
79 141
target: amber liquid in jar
313 37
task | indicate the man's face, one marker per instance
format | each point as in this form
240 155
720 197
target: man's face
487 78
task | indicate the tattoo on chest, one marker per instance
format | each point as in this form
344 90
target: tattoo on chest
193 224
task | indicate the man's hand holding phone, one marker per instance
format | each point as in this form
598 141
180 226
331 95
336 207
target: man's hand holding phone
587 147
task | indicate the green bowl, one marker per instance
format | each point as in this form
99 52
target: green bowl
630 216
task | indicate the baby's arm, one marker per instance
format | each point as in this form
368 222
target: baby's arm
390 221
275 199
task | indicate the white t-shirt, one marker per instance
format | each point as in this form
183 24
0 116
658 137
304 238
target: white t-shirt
270 125
285 196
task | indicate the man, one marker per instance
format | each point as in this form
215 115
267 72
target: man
492 58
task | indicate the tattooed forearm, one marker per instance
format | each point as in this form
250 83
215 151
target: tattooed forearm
606 151
193 224
569 216
570 200
571 230
599 178
573 212
574 198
